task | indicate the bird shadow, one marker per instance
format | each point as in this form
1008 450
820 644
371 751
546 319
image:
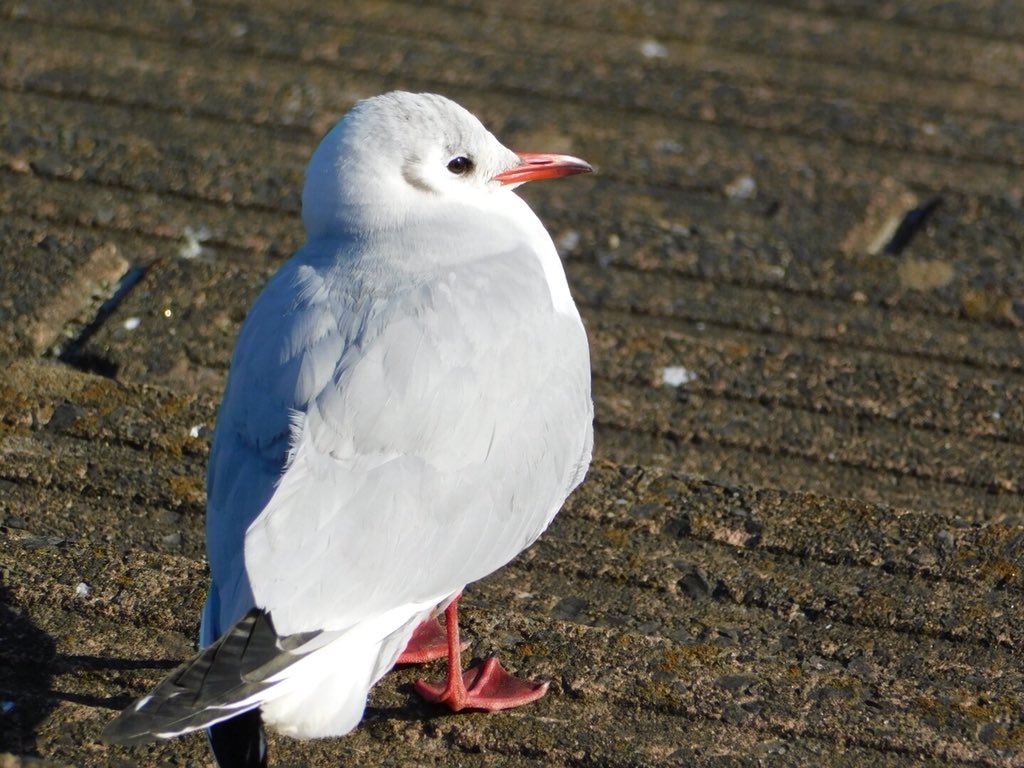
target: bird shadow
26 659
29 662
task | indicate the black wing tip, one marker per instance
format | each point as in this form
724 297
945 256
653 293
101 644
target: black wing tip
204 692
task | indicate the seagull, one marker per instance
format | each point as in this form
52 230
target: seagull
408 407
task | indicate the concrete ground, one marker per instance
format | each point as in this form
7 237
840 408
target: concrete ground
801 267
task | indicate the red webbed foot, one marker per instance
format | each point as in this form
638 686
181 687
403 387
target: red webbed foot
486 686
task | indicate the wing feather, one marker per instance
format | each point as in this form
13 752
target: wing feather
225 679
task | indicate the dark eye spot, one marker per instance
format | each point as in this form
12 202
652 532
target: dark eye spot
460 165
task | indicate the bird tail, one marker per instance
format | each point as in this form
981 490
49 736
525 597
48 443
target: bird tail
232 676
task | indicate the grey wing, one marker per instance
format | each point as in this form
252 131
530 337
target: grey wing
287 349
443 444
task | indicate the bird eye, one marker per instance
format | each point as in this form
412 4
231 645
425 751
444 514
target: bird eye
460 165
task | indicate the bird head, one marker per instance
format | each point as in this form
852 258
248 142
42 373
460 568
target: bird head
403 155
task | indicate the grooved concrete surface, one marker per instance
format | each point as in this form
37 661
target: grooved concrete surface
802 271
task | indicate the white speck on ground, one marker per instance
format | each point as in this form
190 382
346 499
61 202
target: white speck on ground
132 323
652 49
741 188
568 242
677 376
193 246
83 590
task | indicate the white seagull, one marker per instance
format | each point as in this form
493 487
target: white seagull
407 409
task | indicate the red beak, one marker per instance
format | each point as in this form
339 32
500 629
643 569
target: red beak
538 165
